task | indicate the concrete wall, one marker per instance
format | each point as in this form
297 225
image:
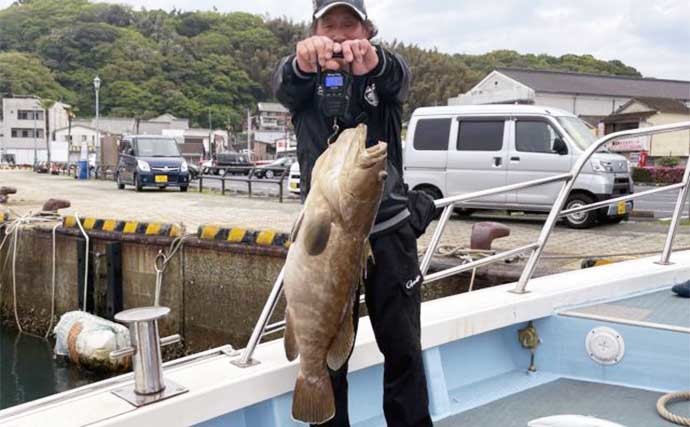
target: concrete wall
583 105
495 88
215 291
669 144
215 294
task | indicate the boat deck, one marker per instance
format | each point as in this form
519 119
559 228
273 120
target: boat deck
627 406
661 308
579 387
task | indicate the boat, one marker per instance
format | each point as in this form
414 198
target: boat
602 346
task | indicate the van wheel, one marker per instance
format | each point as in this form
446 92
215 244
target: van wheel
580 220
184 188
435 194
137 185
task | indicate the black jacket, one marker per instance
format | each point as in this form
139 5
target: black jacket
377 100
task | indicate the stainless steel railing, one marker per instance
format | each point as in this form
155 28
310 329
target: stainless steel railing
262 328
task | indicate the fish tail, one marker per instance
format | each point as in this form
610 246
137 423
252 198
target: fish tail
313 400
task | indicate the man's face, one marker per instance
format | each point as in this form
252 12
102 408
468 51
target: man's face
341 24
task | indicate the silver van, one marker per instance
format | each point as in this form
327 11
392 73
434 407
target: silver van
463 149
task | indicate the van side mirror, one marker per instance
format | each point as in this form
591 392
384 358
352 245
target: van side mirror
559 147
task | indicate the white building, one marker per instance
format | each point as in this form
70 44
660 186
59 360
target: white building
129 126
23 127
77 142
590 96
272 116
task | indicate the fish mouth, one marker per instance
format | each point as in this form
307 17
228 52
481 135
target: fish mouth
372 156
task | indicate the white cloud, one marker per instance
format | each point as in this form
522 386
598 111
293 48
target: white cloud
654 37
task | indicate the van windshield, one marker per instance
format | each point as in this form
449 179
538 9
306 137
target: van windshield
582 135
151 147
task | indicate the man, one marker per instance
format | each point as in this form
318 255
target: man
392 286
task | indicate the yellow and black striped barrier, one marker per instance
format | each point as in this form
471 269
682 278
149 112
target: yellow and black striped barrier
155 229
244 236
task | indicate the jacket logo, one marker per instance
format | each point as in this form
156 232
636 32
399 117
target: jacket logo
371 96
411 283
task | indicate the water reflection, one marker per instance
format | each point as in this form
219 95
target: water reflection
28 370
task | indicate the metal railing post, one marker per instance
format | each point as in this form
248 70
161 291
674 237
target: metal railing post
201 183
568 186
543 237
246 359
222 186
436 238
675 221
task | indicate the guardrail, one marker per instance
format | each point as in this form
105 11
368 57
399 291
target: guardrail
262 328
248 175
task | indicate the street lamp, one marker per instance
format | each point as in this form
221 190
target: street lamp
97 86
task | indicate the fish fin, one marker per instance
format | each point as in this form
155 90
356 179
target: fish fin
341 347
296 226
290 340
313 401
317 231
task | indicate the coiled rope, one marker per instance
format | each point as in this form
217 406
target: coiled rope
665 413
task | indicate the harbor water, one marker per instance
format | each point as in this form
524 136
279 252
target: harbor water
29 371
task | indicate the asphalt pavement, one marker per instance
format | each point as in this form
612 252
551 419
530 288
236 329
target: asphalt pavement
661 205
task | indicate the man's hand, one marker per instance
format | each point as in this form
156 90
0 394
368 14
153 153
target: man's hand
317 49
358 55
361 55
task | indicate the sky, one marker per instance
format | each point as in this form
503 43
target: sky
652 36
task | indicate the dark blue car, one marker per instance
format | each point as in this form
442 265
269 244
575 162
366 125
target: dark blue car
151 161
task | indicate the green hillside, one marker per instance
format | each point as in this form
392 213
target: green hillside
184 63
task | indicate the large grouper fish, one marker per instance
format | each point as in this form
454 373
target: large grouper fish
325 265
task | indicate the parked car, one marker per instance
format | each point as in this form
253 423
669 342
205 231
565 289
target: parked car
234 163
273 169
151 161
463 149
293 180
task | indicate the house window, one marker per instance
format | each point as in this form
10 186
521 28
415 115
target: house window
29 115
14 133
83 138
25 133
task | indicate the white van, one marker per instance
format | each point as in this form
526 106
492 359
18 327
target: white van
462 149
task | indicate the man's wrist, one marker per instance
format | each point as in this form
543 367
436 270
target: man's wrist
299 73
380 69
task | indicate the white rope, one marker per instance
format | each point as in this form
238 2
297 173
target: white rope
52 292
161 263
665 413
86 260
13 230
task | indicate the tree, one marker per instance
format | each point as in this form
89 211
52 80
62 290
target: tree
47 104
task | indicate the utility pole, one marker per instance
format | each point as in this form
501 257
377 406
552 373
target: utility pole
33 113
249 134
211 144
97 87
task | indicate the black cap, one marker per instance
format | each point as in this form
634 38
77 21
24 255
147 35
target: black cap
323 6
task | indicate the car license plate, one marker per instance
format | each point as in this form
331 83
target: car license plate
293 185
622 208
161 179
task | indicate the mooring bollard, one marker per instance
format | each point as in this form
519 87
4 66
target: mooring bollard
149 384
